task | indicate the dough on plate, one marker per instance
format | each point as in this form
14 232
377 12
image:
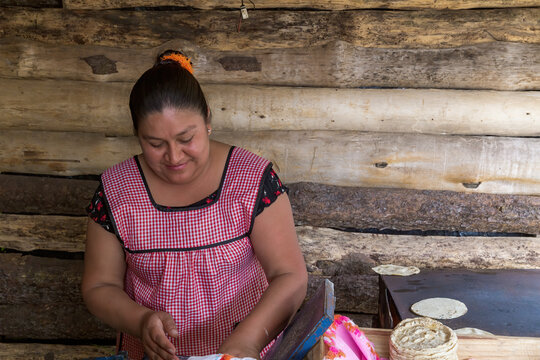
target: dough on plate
439 308
423 339
390 269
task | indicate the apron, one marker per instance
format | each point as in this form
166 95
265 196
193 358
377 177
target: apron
196 263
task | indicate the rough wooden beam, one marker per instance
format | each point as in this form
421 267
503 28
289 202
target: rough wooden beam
404 209
52 321
310 4
45 295
327 252
45 195
268 28
491 65
64 105
331 252
26 351
316 205
33 3
39 232
386 160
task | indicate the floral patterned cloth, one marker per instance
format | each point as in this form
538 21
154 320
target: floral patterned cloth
217 357
344 340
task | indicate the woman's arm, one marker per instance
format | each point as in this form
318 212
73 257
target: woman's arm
104 295
276 246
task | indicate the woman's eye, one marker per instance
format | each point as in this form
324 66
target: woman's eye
155 145
185 141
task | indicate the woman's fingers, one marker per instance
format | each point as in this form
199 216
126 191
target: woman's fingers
168 324
157 345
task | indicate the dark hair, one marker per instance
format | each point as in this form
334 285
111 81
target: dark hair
166 84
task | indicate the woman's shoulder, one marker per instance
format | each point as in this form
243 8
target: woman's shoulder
122 165
249 157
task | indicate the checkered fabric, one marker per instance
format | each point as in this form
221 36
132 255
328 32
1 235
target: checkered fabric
197 263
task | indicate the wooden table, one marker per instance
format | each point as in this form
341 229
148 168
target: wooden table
502 302
478 348
475 347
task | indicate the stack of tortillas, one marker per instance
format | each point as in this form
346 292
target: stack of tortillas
423 339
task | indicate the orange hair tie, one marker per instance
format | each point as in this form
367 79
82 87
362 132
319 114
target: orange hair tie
181 59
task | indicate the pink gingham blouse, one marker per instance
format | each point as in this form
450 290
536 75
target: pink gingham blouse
198 263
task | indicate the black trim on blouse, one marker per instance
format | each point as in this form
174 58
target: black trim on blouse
270 188
199 204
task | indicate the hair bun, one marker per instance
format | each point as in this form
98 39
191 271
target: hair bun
170 56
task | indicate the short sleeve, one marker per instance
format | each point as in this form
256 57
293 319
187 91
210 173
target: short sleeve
98 209
272 188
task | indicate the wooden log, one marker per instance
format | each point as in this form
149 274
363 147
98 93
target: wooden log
39 232
37 280
44 293
499 65
404 209
366 28
64 105
327 252
51 322
45 195
39 351
316 205
33 3
309 4
331 252
84 155
428 162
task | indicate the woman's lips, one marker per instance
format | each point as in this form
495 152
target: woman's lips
176 167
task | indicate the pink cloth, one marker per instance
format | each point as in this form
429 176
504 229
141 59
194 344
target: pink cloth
217 357
345 340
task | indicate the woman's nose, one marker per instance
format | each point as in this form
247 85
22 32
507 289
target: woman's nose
174 153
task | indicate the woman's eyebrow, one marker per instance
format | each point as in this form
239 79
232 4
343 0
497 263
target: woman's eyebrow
188 129
183 132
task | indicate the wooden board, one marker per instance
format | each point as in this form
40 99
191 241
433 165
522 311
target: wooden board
479 348
310 4
308 325
490 65
64 105
428 162
217 29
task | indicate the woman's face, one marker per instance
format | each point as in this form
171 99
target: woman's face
175 144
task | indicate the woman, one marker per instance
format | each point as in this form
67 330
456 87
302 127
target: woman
191 247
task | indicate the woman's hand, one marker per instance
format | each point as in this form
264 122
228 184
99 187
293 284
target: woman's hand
238 349
155 327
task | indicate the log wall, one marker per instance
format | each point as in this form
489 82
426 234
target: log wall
407 131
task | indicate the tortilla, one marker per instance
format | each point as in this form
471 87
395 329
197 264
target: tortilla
439 308
472 331
423 339
390 269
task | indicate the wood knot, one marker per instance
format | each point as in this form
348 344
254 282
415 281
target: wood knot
101 65
472 185
238 63
381 165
